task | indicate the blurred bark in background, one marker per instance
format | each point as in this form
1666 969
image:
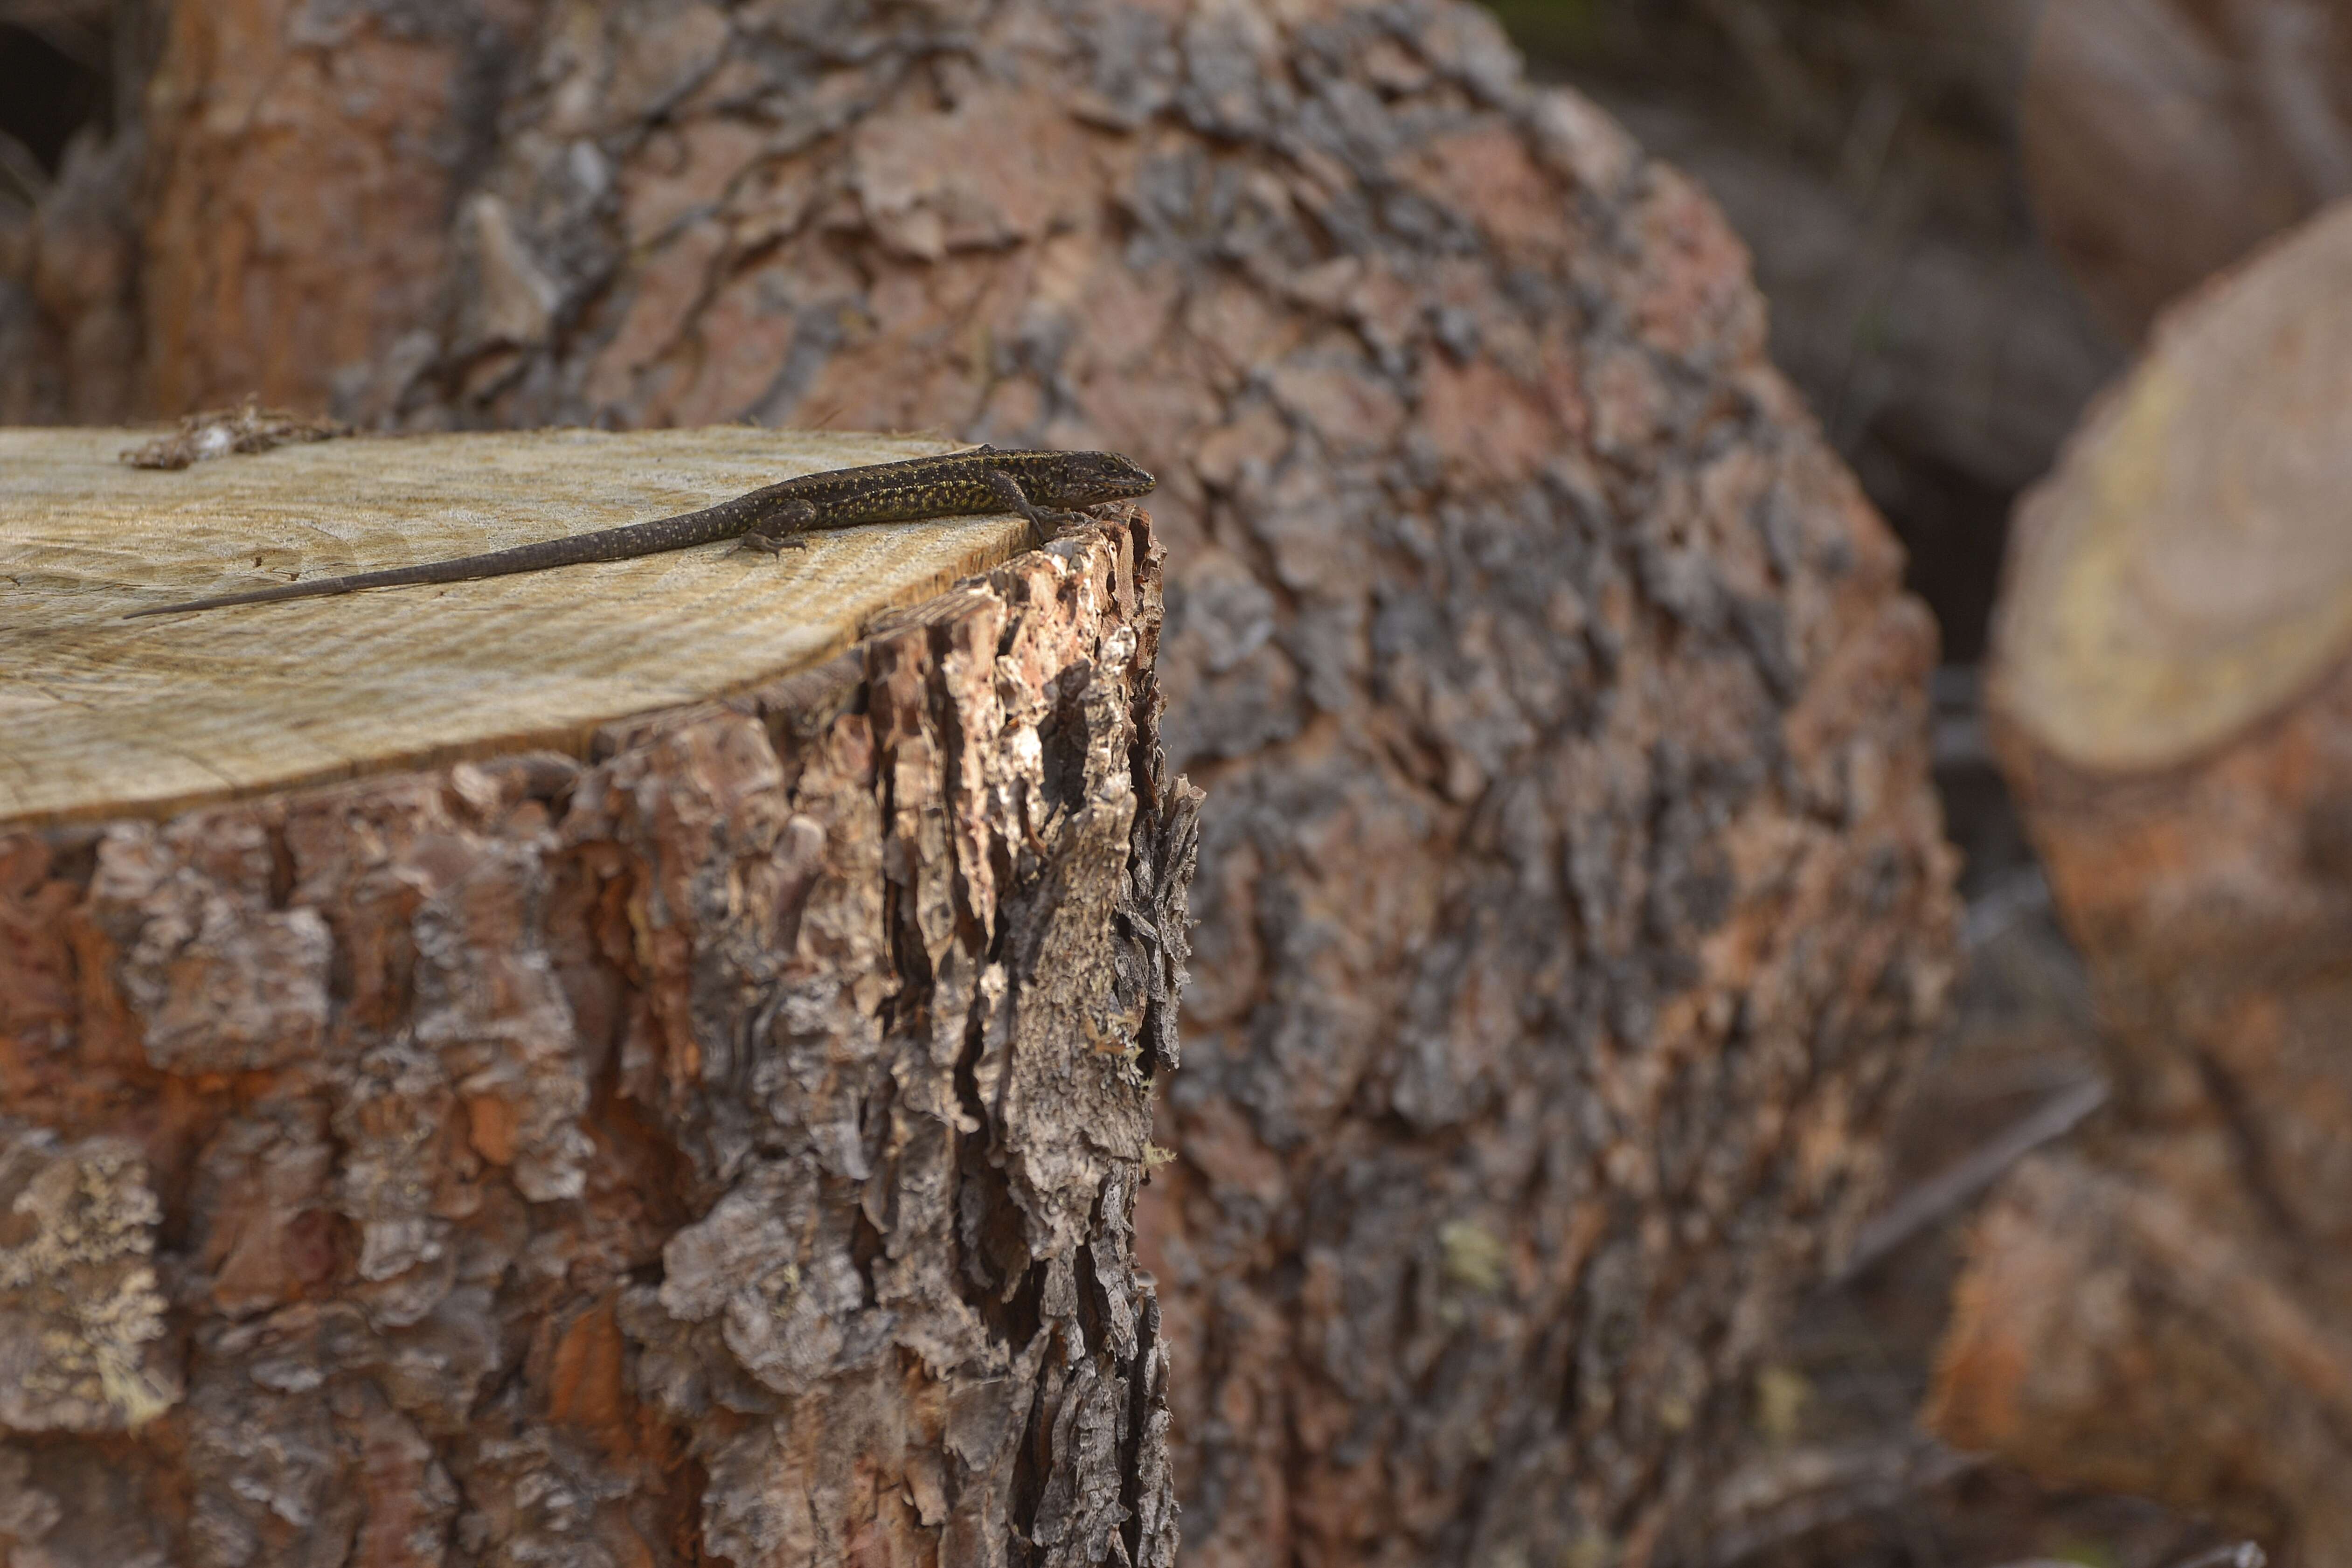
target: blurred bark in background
1574 908
1965 215
2165 139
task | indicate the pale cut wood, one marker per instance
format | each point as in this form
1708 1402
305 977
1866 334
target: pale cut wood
2189 568
106 716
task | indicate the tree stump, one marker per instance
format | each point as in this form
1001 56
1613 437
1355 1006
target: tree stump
643 1064
1576 902
2164 1312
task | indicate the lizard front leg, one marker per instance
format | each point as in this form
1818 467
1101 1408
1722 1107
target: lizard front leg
1008 492
785 529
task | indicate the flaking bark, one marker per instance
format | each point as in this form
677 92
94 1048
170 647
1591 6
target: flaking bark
721 1149
1575 906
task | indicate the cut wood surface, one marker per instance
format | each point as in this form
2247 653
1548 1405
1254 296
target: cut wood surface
2163 1311
104 715
2188 569
721 1147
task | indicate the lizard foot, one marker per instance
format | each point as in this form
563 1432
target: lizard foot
772 544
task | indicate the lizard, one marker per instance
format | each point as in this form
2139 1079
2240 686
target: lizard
1039 486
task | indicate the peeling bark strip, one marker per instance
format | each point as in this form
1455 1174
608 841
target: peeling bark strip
725 1151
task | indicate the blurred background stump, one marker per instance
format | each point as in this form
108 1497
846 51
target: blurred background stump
2163 1312
654 1134
1575 911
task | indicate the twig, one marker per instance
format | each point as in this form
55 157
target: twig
2237 1554
21 176
1993 912
1951 1188
218 432
1794 1493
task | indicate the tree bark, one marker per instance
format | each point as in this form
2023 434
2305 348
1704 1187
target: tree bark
1575 908
2164 1312
717 1142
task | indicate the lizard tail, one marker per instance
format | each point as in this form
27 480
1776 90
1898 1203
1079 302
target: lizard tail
263 596
729 520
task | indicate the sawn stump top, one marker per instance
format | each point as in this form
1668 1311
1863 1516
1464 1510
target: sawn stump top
103 716
2187 569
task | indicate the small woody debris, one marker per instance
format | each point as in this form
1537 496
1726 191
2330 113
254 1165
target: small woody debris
217 433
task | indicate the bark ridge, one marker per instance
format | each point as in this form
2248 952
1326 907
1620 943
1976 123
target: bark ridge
723 1147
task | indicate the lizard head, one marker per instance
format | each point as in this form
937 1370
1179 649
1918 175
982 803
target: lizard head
1085 478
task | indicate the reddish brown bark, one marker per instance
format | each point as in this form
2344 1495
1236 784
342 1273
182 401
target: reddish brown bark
1575 907
721 1149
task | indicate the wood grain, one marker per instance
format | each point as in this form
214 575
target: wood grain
2188 570
101 715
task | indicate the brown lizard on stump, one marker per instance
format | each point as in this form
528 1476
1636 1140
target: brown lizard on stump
1039 486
